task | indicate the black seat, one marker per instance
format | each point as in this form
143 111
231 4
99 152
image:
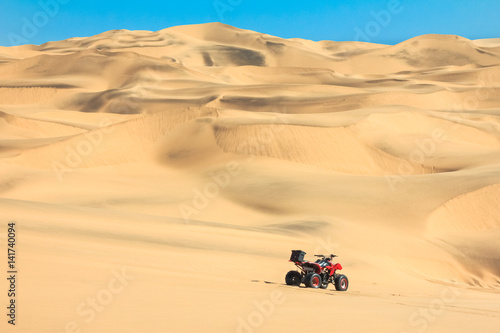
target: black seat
322 262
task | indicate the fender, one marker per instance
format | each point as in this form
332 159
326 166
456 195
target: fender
334 268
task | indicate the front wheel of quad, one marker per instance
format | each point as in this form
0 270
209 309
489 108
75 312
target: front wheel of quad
313 280
341 283
324 283
293 278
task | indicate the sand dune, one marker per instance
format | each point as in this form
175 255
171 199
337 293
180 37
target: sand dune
197 157
468 226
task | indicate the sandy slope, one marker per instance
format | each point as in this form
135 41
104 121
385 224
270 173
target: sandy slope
168 175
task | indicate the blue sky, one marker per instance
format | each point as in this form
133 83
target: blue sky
378 21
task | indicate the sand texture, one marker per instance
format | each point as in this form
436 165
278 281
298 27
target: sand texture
159 180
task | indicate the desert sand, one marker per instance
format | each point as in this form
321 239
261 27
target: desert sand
159 180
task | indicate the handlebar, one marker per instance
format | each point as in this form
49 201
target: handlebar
323 256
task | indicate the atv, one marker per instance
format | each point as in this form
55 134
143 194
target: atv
316 274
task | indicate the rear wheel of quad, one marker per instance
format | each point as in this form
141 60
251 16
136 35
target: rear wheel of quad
293 278
341 283
313 280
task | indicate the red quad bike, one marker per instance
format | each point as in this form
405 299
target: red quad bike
316 274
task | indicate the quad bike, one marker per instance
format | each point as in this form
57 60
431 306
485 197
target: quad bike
316 274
